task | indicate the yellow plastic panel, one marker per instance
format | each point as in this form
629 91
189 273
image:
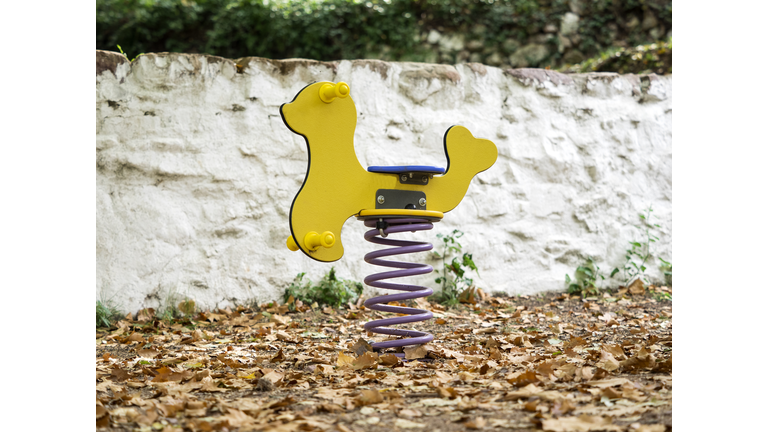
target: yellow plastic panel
337 187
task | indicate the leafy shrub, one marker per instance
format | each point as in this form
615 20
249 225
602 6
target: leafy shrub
348 29
330 290
643 59
640 252
106 314
666 267
453 280
586 279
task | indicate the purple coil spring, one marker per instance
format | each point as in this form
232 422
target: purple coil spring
393 226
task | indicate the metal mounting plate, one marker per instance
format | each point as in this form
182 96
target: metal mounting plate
400 199
414 178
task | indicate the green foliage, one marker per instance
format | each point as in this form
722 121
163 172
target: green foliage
330 290
349 29
639 254
106 314
126 55
661 296
643 59
586 279
666 267
453 280
175 307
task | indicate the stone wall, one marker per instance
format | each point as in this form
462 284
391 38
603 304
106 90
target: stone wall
558 43
196 171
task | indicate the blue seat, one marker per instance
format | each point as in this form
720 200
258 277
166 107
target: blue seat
406 169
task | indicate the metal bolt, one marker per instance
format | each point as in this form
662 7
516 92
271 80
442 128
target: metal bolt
380 199
403 177
424 179
422 202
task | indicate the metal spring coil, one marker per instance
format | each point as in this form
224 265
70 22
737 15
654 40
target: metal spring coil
376 235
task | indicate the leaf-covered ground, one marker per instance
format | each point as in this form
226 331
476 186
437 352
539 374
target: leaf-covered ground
553 362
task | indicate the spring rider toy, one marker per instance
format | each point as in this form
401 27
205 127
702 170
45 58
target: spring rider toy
388 199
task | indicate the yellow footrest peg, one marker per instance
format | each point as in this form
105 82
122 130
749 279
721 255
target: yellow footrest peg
291 244
313 241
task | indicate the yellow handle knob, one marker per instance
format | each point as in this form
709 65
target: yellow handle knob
329 92
313 240
291 243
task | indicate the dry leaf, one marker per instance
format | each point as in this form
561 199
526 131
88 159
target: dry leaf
148 353
407 424
611 382
361 347
637 287
369 397
366 361
647 428
415 352
468 296
477 423
447 392
607 361
135 337
642 360
409 413
330 408
523 393
582 423
523 379
389 360
344 361
237 418
278 357
145 315
102 416
280 319
273 376
615 350
120 374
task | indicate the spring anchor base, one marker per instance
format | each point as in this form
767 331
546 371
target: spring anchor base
382 228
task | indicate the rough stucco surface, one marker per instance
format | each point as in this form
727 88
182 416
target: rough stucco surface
196 171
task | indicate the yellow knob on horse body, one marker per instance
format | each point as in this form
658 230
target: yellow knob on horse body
329 92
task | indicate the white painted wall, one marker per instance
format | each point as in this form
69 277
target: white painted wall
196 170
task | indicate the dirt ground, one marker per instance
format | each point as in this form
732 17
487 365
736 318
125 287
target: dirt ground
551 362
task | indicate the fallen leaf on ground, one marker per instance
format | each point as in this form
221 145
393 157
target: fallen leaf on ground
361 347
407 424
389 360
476 423
607 361
416 352
344 360
365 361
369 397
582 423
637 287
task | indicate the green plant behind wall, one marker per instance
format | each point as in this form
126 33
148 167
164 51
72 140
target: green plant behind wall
353 29
330 290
